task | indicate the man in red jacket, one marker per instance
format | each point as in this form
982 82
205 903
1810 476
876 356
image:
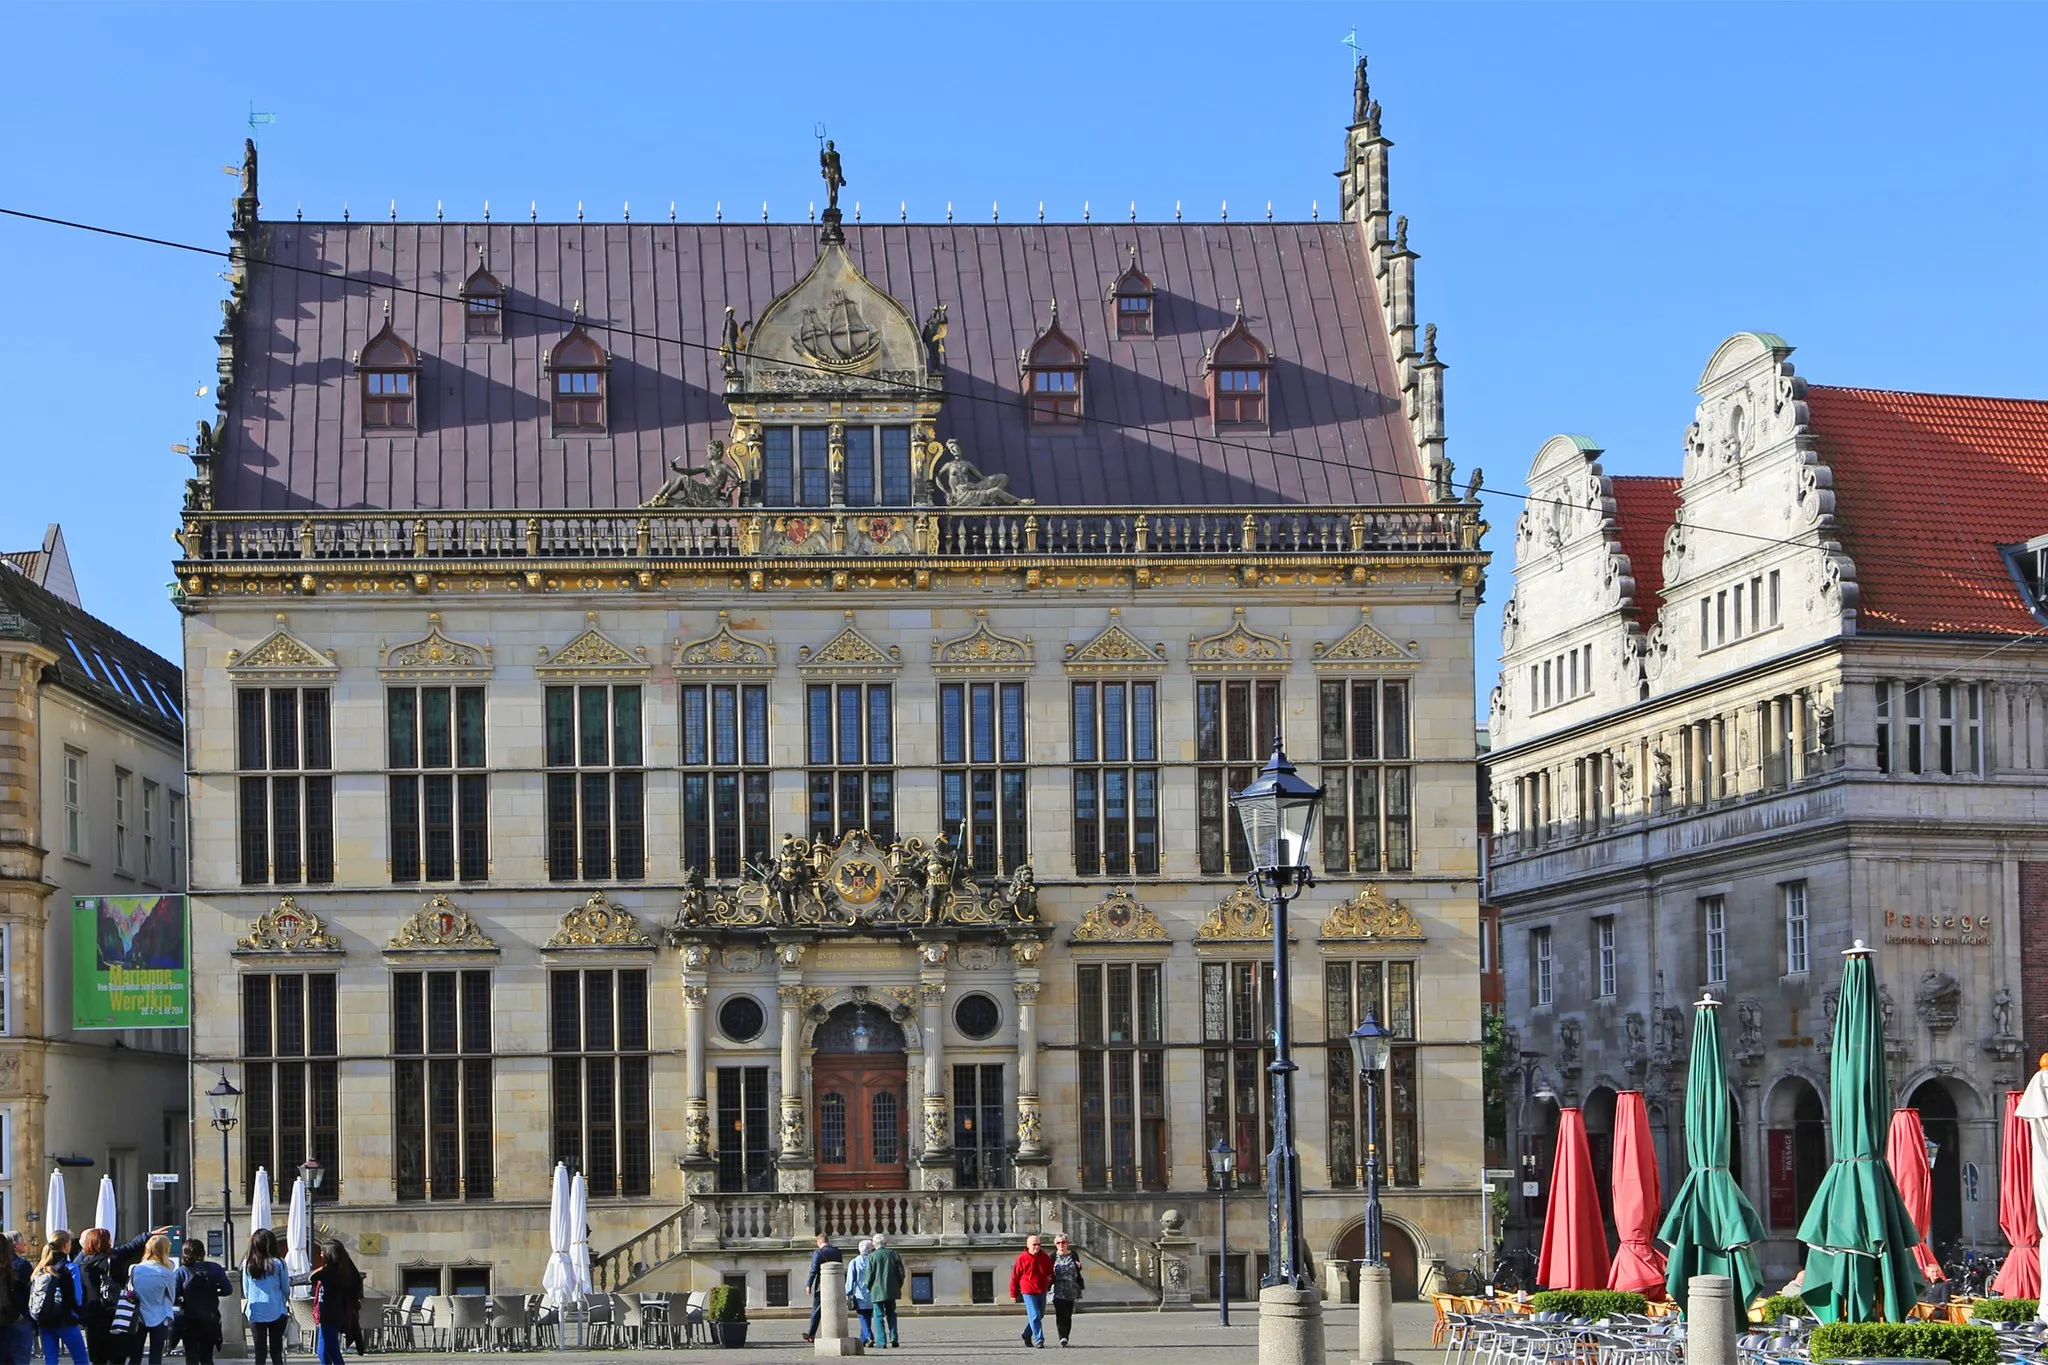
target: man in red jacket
1030 1282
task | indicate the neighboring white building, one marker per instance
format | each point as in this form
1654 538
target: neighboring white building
92 803
1746 716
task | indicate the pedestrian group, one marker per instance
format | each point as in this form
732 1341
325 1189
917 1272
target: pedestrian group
875 1277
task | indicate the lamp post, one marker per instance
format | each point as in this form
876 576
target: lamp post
1933 1151
224 1099
1278 811
314 1174
1223 1165
1370 1049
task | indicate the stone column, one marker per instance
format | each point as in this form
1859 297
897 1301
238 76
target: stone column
832 1339
1032 1157
793 1157
935 1158
700 1171
1375 1316
835 475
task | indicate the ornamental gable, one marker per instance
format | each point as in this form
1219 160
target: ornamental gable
1238 649
849 652
981 650
282 657
1115 650
1363 649
726 653
592 654
436 655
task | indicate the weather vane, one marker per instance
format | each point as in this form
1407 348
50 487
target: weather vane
257 118
1351 41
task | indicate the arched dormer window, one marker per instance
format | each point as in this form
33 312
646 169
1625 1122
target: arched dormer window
1240 371
389 371
1053 370
1131 300
576 368
483 303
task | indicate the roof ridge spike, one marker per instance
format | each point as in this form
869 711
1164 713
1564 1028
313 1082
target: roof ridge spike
1134 210
437 211
1085 215
487 210
626 212
394 210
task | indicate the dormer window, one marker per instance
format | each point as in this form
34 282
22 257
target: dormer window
1053 370
483 303
1240 369
2030 565
576 371
389 370
1131 298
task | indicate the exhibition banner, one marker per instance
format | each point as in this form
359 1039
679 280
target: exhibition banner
129 965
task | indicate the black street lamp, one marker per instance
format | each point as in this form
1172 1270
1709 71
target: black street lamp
224 1099
1370 1049
314 1174
1278 811
1223 1165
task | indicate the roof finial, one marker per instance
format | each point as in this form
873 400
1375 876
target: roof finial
903 210
577 310
300 213
533 210
487 210
394 210
1429 344
1401 233
812 215
480 256
1315 210
1041 210
387 310
1086 216
626 212
1240 309
949 210
995 212
1269 210
671 210
764 210
1226 210
856 210
1176 210
1055 311
437 210
344 210
1134 210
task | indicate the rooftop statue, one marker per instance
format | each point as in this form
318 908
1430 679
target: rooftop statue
710 484
966 486
828 166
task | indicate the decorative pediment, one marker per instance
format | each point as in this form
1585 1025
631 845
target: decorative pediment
1119 918
283 657
285 928
597 923
849 652
436 655
1238 649
1243 917
981 650
727 653
1371 915
440 925
591 654
1116 650
858 885
833 331
1363 649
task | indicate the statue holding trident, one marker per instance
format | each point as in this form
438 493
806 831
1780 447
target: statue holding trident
828 166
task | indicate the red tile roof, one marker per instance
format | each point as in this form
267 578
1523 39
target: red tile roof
1928 488
1644 507
1338 431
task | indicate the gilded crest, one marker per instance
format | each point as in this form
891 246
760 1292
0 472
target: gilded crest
725 652
849 649
981 650
1370 914
1119 918
1115 650
1362 647
283 656
591 654
858 880
436 654
441 924
1243 916
597 923
1239 647
285 928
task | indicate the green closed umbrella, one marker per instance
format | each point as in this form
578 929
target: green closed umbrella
1859 1238
1711 1228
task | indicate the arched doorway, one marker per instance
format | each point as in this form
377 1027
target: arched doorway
1795 1152
1397 1249
1939 1117
858 1072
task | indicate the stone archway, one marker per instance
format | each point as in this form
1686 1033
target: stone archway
860 1090
1398 1248
1795 1151
1944 1113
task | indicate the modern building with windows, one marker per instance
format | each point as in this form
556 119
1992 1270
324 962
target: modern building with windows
748 710
1756 712
92 803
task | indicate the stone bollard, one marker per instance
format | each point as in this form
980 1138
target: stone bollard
1290 1326
1710 1320
832 1339
1375 1316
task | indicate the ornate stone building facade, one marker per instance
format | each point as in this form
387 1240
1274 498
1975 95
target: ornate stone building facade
838 840
1756 712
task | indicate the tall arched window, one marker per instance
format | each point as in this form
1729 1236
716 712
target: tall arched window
1240 370
1053 368
576 369
483 303
388 370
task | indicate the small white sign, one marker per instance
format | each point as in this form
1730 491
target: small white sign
1531 1189
162 1179
1488 1187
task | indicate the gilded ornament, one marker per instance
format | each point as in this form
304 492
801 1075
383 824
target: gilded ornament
282 654
1242 916
285 928
1362 647
1116 648
440 924
1120 917
597 923
592 652
727 652
1239 647
1370 914
436 653
851 649
981 649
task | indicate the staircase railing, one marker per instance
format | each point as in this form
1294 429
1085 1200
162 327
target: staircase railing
642 1254
1110 1244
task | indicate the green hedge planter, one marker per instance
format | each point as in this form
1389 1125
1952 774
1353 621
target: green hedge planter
1918 1340
2004 1310
1589 1304
727 1314
1784 1306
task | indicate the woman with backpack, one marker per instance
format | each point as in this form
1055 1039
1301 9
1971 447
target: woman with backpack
53 1300
337 1300
266 1296
155 1284
102 1276
201 1286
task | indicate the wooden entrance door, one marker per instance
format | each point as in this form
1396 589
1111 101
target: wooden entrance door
861 1133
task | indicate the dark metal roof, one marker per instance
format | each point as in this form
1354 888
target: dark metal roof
93 659
294 439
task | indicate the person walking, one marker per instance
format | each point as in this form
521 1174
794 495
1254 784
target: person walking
202 1284
883 1278
155 1282
266 1297
1066 1285
13 1308
824 1255
102 1274
1030 1282
53 1300
20 1332
337 1300
857 1288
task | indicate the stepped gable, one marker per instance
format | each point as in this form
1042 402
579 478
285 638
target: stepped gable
1644 508
1338 431
1929 488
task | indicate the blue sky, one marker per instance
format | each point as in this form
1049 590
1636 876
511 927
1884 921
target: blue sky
1600 193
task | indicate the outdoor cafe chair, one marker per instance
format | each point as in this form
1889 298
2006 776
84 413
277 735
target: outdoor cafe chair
511 1322
690 1315
468 1321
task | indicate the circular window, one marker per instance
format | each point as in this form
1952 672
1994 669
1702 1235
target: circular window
977 1017
741 1018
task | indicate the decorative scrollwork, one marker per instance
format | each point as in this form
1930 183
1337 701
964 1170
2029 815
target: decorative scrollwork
858 882
441 924
285 928
1243 915
597 923
1371 915
1120 918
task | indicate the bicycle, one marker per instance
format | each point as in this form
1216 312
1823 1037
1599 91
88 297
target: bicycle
1514 1270
1468 1281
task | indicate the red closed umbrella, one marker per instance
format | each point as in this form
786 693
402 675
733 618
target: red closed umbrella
1638 1199
1905 1151
2020 1276
1574 1238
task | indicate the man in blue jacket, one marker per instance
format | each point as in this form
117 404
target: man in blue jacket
825 1252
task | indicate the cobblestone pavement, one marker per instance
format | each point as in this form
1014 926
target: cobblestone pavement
1105 1337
